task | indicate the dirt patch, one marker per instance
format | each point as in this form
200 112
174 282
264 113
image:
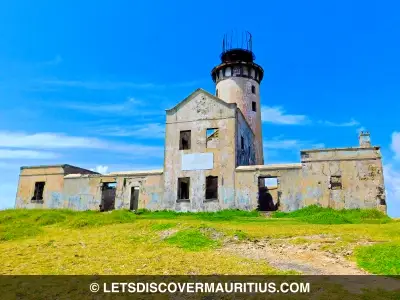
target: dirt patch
305 258
212 233
167 233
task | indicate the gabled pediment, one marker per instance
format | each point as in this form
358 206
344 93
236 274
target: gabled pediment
200 105
196 93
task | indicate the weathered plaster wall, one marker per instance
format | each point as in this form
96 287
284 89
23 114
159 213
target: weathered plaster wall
247 155
151 190
52 193
83 192
238 90
289 188
198 113
361 176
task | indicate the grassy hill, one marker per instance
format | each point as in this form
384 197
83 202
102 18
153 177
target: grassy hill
225 242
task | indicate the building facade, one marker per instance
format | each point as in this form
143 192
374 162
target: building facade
213 160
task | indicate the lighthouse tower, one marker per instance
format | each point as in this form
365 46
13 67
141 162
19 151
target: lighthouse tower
238 80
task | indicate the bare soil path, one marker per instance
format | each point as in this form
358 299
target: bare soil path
307 259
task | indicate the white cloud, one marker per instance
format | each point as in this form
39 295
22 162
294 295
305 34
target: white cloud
277 115
281 144
392 186
395 145
48 140
9 174
126 108
391 172
26 154
350 123
150 131
287 144
112 85
100 169
8 192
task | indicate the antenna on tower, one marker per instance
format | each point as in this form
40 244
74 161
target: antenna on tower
238 42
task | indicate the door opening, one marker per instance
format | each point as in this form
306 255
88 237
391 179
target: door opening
134 198
108 196
268 193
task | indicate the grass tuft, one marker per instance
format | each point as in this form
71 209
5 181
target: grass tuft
162 226
241 235
18 231
50 218
380 258
192 240
93 218
315 214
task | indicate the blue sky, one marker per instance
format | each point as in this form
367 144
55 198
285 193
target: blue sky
87 82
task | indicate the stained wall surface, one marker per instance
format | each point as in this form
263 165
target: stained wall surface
359 171
288 191
246 152
52 193
239 90
198 113
82 192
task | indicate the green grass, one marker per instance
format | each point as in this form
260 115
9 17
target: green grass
19 223
380 258
123 242
314 214
223 215
192 240
241 235
18 231
162 226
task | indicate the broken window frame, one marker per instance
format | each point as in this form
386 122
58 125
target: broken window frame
183 143
207 136
335 182
179 191
253 89
38 192
211 195
242 142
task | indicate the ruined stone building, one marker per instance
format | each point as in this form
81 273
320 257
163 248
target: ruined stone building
213 160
